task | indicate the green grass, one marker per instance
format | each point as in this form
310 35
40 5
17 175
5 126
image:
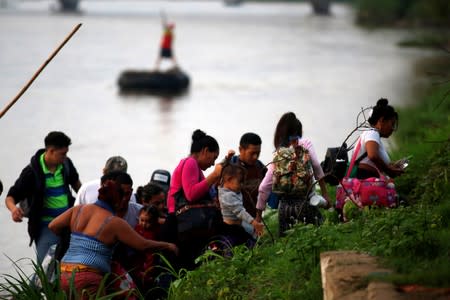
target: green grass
413 240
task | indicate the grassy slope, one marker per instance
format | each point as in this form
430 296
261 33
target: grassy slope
413 240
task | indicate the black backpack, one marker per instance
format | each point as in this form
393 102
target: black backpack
335 164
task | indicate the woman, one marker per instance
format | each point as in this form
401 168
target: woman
372 154
289 131
95 230
189 179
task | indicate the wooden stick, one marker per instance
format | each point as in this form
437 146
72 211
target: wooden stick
39 71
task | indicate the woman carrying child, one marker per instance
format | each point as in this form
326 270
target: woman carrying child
241 225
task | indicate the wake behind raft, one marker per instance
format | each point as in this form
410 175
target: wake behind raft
172 81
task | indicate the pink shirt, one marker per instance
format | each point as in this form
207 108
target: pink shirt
265 187
189 176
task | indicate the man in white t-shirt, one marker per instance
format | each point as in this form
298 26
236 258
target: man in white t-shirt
88 192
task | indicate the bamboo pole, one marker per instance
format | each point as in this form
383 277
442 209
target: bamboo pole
39 71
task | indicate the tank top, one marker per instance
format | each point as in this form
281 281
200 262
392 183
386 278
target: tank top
88 250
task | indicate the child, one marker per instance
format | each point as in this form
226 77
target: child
231 201
144 262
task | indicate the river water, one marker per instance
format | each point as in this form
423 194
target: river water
248 65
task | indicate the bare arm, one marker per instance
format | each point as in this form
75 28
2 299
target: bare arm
214 177
127 235
62 221
324 191
373 155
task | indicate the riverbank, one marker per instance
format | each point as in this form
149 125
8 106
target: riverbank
412 240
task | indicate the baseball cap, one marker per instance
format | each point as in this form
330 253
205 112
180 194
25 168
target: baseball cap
161 177
116 163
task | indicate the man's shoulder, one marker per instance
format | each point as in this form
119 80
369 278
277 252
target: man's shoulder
134 206
88 192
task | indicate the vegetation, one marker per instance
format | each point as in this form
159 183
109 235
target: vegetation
406 12
413 240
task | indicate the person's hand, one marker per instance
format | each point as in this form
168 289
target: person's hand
17 214
327 198
173 248
258 217
395 170
259 227
230 154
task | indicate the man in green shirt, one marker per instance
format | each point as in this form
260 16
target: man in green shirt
43 191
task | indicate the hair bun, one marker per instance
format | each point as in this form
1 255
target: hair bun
198 135
382 102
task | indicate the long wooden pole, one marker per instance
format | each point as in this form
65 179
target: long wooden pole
39 71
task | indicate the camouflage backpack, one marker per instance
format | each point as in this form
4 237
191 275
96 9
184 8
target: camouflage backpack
293 173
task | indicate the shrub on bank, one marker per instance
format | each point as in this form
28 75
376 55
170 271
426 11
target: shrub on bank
414 240
412 12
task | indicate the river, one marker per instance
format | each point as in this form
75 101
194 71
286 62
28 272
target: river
248 65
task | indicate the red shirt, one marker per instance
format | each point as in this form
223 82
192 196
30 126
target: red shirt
166 42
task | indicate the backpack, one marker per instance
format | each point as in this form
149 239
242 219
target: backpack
335 164
293 173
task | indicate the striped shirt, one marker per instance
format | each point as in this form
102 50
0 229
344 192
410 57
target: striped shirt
56 200
89 251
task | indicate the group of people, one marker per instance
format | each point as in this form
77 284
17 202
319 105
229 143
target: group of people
109 225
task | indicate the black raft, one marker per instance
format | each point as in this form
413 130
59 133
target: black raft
170 81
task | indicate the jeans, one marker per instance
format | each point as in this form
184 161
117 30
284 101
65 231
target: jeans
43 243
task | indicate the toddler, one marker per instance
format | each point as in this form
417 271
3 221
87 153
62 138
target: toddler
148 227
231 202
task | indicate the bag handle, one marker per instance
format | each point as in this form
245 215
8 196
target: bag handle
353 161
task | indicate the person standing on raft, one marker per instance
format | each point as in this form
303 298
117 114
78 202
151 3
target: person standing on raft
166 43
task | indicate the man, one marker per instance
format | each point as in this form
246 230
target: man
249 151
130 211
43 190
88 192
166 50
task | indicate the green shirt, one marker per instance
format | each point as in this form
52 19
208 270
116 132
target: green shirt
55 199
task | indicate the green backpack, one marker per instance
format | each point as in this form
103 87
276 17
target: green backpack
293 173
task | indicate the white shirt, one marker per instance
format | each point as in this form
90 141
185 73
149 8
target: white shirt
88 193
372 135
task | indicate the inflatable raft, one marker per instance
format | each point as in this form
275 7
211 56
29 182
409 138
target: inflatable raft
170 81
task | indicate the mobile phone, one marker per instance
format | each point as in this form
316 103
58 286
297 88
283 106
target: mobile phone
404 165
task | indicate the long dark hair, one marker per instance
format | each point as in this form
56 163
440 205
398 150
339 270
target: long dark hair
287 126
382 110
201 140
